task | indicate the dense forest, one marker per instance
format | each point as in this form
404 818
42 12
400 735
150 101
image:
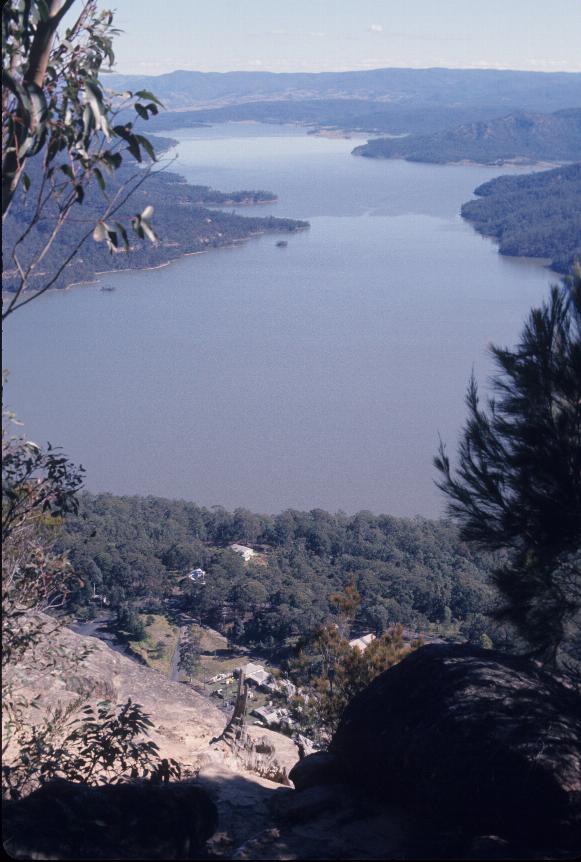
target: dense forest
137 551
536 215
531 136
182 220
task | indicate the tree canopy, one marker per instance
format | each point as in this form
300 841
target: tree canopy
518 480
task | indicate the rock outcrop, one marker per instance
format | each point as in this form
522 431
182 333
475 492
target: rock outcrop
475 740
184 721
454 753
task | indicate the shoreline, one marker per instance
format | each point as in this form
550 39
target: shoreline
7 295
540 165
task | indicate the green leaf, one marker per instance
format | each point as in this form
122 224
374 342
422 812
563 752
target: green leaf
146 144
100 179
123 233
145 94
127 135
113 160
133 148
136 224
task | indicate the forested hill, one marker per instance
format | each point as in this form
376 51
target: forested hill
365 115
521 135
182 220
136 551
536 215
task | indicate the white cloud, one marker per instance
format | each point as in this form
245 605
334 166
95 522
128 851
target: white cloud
375 28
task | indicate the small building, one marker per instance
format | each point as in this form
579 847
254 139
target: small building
197 575
245 552
267 716
277 719
362 643
256 674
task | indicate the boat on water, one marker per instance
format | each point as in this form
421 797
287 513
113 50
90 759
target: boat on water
282 243
107 287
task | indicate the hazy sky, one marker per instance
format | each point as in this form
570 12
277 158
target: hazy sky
326 35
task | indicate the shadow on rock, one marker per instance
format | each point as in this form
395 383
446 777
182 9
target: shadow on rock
64 820
476 741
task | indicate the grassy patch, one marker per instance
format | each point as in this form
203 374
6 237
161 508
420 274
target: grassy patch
161 637
210 640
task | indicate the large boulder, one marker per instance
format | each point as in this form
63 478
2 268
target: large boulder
64 820
476 740
316 769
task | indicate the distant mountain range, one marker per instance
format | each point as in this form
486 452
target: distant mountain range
527 90
521 135
382 100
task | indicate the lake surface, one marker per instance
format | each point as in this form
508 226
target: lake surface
318 375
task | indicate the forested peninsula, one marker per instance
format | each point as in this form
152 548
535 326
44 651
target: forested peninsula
536 215
183 222
520 136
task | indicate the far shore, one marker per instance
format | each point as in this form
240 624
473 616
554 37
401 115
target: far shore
469 163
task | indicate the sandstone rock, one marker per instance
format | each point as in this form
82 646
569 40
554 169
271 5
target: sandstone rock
485 742
184 721
63 820
313 801
321 767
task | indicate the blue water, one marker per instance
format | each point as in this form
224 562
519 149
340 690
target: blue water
318 375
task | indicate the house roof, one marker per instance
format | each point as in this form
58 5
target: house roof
246 552
363 642
256 672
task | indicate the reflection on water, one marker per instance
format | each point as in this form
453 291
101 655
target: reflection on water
318 375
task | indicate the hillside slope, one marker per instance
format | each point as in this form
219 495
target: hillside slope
518 136
536 215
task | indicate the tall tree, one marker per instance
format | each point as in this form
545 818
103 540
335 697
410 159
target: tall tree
61 135
518 481
190 652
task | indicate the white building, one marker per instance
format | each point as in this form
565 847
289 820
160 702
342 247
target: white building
245 552
197 575
256 674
